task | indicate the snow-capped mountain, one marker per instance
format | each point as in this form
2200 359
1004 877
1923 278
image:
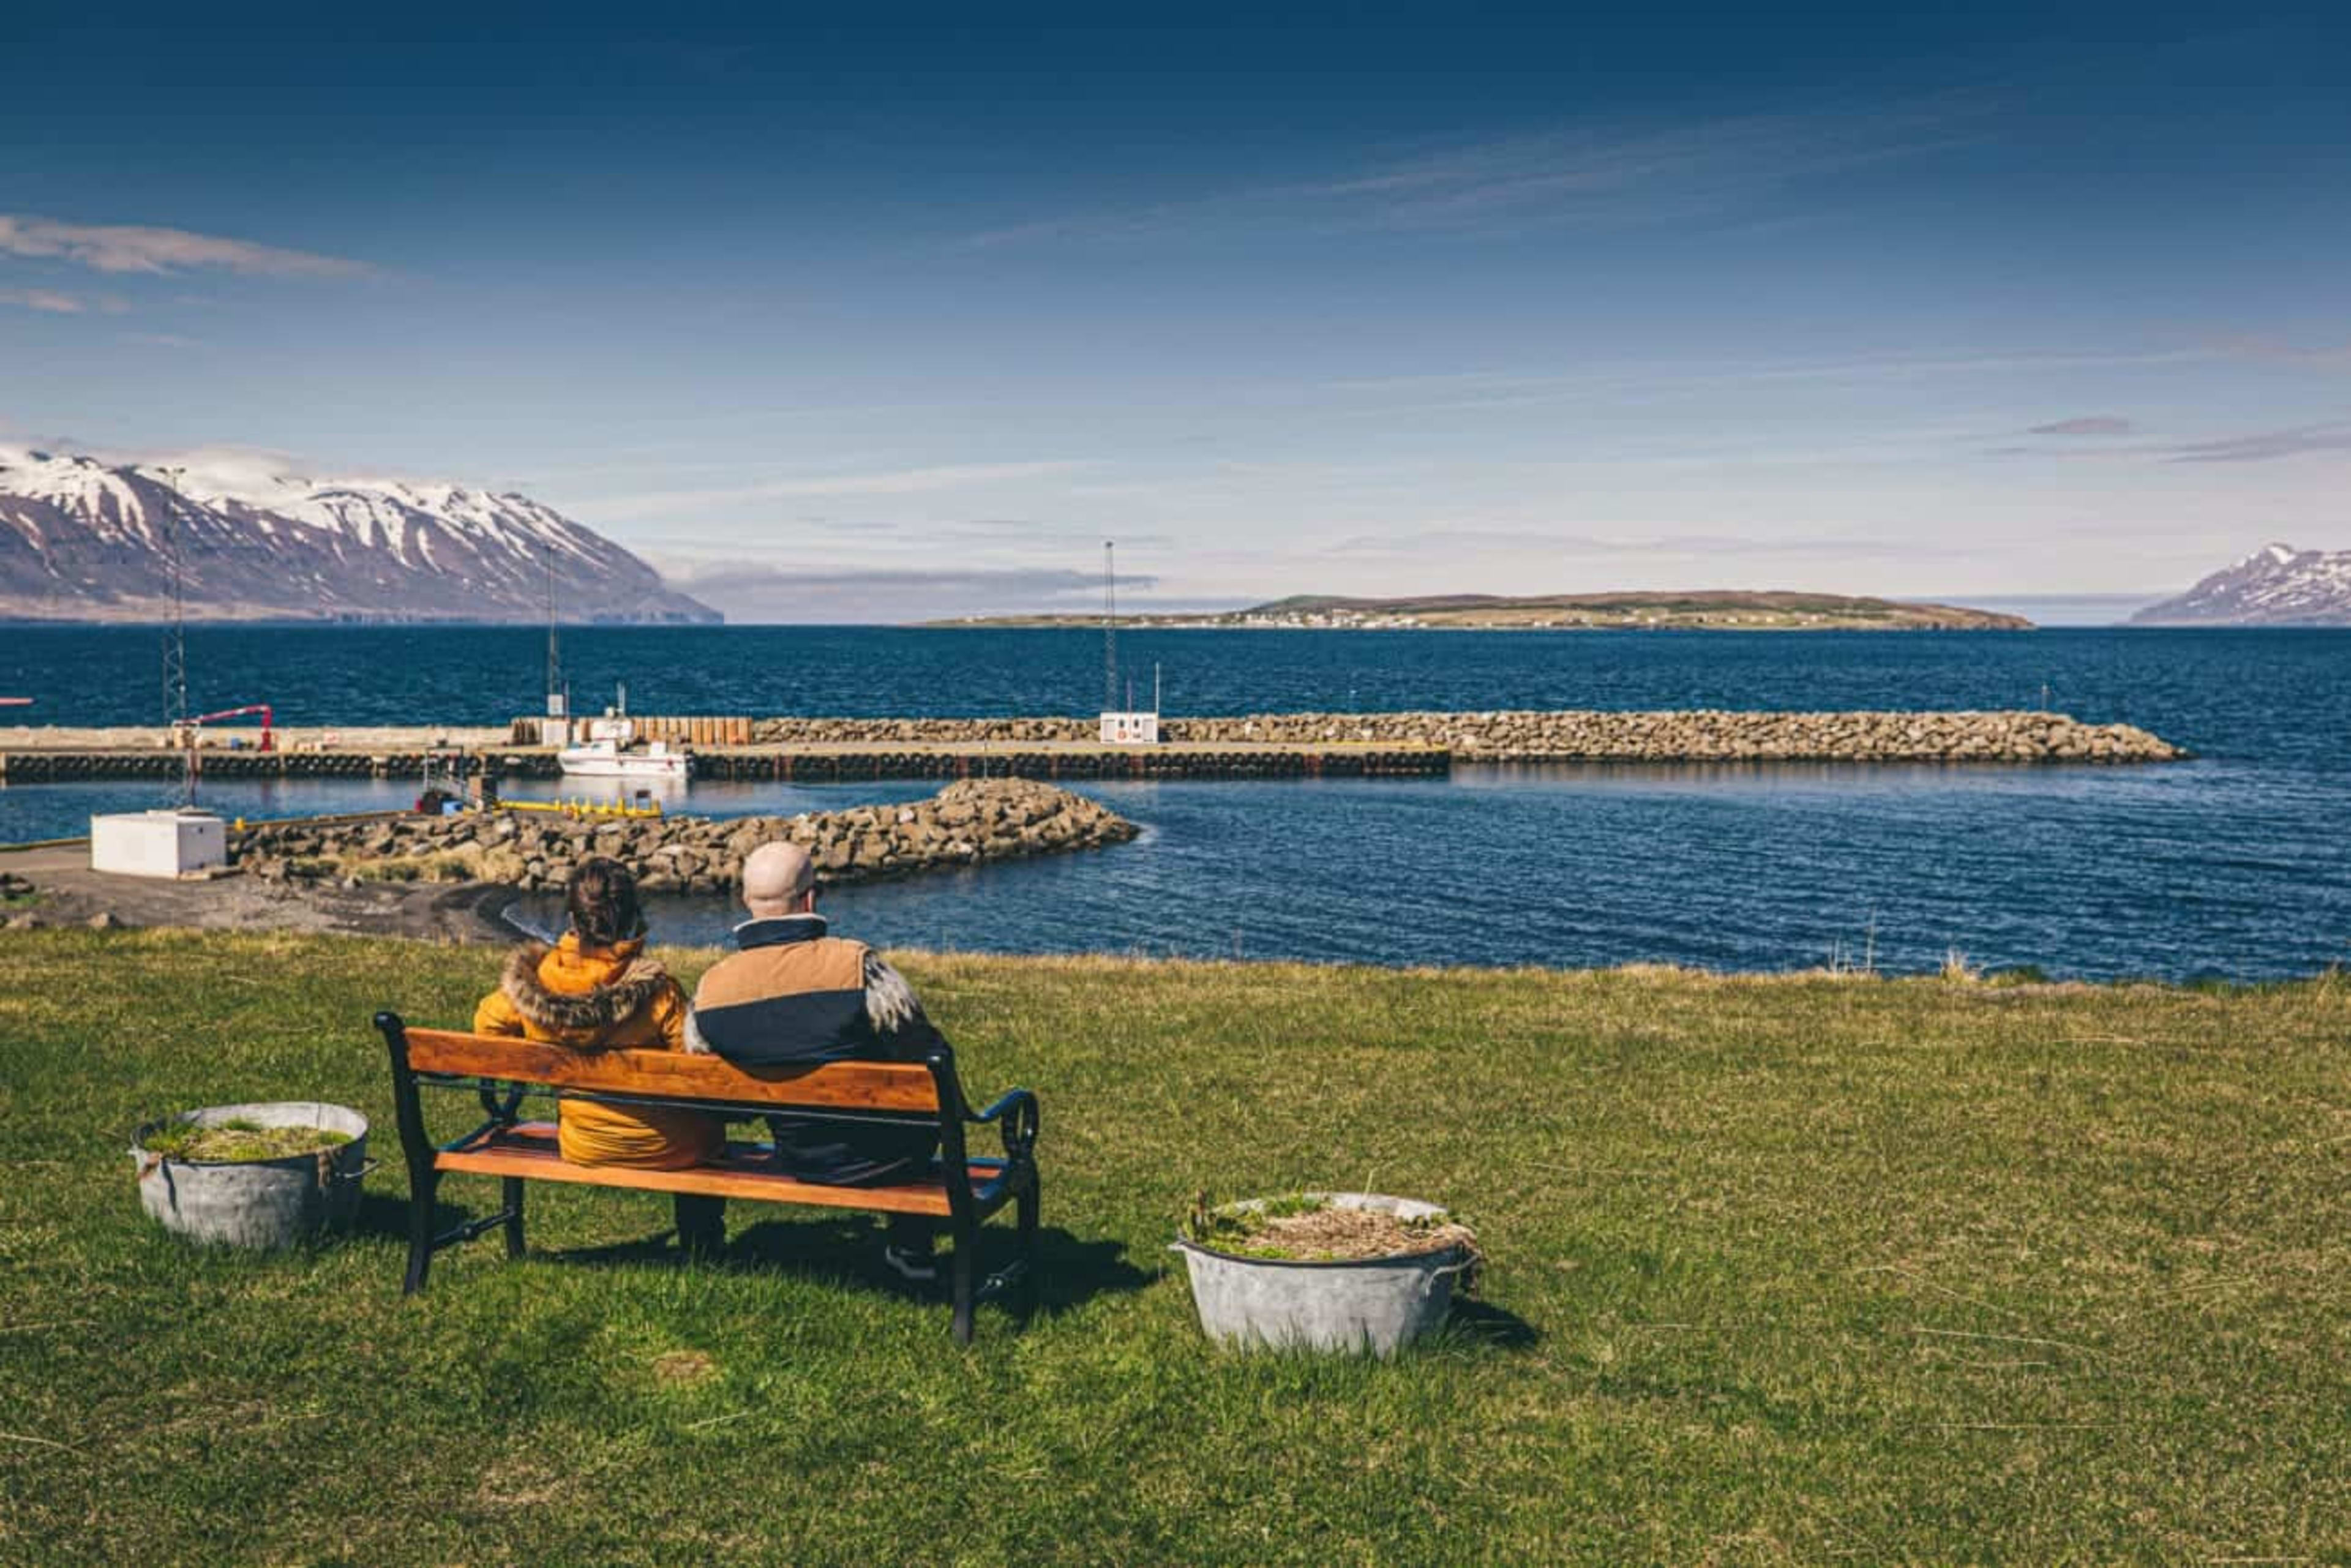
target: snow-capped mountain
82 540
2277 585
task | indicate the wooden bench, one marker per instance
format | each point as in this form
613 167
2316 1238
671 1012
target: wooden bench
961 1191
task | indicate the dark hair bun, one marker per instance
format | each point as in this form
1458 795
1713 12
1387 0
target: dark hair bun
603 903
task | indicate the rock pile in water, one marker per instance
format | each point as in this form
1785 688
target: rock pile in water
1573 735
967 822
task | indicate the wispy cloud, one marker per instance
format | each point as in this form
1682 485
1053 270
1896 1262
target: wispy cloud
2278 350
56 302
1028 531
1449 389
2264 445
139 248
1595 177
890 482
760 591
2088 425
1536 542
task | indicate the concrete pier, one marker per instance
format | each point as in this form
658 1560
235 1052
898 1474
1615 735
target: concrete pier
787 764
1261 746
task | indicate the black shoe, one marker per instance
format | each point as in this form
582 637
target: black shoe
915 1268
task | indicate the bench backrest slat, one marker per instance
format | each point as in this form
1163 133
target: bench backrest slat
676 1075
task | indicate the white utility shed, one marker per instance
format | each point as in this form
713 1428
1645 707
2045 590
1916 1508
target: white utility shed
165 844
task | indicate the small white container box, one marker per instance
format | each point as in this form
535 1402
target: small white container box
1135 728
169 843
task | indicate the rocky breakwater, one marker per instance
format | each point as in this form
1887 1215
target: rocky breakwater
967 823
1571 735
1714 735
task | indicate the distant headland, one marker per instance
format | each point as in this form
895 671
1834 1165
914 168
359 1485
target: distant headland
1712 609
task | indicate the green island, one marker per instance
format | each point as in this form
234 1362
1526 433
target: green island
1779 1269
1709 610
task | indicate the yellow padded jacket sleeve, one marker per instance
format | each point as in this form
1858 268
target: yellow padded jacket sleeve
496 1015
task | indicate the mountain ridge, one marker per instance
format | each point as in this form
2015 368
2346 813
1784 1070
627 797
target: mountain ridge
85 540
2277 585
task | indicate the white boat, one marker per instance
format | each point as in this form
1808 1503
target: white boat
611 759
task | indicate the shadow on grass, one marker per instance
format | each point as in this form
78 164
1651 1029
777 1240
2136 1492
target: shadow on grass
1488 1326
1071 1270
845 1248
380 1214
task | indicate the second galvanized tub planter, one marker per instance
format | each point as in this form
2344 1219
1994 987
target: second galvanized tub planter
1374 1304
263 1203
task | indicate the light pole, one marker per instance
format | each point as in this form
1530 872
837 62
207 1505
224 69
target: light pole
175 640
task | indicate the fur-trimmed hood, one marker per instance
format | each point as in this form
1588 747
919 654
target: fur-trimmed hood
581 995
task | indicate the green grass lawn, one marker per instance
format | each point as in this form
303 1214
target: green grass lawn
1782 1270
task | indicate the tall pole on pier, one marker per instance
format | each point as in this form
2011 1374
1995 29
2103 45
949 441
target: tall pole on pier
556 706
175 643
1109 625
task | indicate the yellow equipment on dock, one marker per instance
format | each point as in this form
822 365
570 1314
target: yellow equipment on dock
584 808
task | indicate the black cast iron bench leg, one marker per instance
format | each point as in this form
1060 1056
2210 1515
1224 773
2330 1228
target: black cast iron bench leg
513 1195
964 1262
422 1187
701 1224
1028 1222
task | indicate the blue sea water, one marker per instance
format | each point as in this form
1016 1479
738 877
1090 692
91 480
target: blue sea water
2233 864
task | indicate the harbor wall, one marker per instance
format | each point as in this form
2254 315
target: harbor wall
1258 745
777 763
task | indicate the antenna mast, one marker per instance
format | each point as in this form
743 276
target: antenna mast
556 706
1109 625
175 643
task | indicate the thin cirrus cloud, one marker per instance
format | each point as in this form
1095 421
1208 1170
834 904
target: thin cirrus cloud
1535 541
56 302
891 482
761 591
2089 424
2264 445
1456 389
2253 447
2270 349
1604 177
137 249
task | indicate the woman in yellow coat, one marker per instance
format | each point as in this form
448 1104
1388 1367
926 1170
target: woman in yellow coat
596 990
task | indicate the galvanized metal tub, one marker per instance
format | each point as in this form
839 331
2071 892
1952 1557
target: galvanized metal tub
1375 1304
255 1203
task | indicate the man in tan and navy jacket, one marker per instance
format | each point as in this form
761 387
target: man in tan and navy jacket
794 993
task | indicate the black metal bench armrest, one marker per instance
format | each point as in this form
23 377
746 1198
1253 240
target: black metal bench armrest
1016 1110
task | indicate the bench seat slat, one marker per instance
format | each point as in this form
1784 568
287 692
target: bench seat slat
841 1086
528 1150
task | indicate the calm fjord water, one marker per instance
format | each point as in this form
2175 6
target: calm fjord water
2232 864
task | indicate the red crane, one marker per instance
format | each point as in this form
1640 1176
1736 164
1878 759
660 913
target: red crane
269 724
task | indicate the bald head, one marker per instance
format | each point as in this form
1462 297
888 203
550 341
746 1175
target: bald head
778 880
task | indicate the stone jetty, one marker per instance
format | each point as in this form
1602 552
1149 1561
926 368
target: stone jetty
967 823
1566 735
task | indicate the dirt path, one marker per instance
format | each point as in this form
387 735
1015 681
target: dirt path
70 894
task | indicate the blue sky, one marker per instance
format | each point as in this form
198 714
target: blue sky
847 321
